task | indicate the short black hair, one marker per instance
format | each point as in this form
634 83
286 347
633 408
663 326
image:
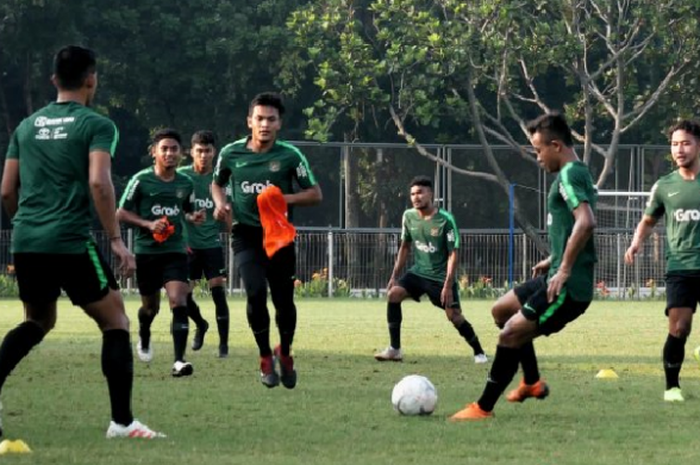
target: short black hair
687 125
423 181
267 99
72 65
552 126
203 137
165 133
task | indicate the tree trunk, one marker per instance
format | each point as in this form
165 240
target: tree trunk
5 110
352 216
28 103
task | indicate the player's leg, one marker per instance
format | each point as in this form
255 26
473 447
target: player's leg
195 264
681 301
280 276
92 286
149 280
408 286
177 287
215 272
252 267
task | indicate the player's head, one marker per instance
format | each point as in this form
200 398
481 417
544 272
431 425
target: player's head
265 117
75 69
203 149
551 138
685 143
422 193
166 148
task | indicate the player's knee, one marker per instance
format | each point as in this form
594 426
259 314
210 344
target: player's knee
500 315
681 329
510 337
395 295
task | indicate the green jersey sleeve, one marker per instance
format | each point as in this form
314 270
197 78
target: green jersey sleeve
655 205
576 187
188 203
103 136
405 230
302 173
451 233
13 149
131 196
222 172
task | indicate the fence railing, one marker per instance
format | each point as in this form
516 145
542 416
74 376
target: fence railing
359 262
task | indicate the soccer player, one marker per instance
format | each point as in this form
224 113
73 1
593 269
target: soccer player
58 158
157 201
433 235
205 253
563 287
249 165
676 198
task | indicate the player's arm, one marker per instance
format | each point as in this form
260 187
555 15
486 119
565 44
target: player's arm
542 266
584 224
305 197
446 295
222 176
195 217
10 186
644 229
129 203
400 262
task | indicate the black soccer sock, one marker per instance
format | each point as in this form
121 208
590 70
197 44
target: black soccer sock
118 368
145 321
262 339
193 311
16 345
467 332
505 365
674 353
180 329
218 294
394 317
528 360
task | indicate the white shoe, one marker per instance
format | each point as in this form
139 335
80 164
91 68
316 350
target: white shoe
144 355
182 368
389 355
480 358
135 430
673 395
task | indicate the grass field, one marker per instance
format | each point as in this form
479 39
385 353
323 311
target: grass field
340 413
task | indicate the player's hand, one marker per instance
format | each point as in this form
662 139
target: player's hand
446 296
222 212
197 218
541 267
631 252
158 226
556 284
126 260
392 283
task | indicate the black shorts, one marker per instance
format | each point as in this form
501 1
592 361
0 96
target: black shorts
86 277
416 286
154 270
551 317
207 262
682 291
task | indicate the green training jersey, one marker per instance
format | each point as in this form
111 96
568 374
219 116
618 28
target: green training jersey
678 201
572 187
248 173
433 240
151 198
52 147
206 235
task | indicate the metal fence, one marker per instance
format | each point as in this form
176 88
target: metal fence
358 262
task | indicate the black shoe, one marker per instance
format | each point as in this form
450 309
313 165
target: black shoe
268 375
198 340
288 375
223 350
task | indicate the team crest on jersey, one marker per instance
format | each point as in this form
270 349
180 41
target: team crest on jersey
180 194
434 232
275 166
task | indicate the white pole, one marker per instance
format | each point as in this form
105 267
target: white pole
330 263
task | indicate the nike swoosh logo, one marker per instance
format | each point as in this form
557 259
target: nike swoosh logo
671 194
241 164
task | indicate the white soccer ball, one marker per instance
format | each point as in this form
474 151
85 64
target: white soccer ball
414 395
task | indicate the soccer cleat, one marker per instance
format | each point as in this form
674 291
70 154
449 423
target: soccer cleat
480 359
539 390
471 412
182 368
144 355
389 355
135 430
268 375
223 350
288 375
198 339
673 395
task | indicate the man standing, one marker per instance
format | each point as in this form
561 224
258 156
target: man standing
545 304
435 238
676 198
157 201
205 253
58 158
249 165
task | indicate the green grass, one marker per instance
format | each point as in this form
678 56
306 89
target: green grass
340 413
